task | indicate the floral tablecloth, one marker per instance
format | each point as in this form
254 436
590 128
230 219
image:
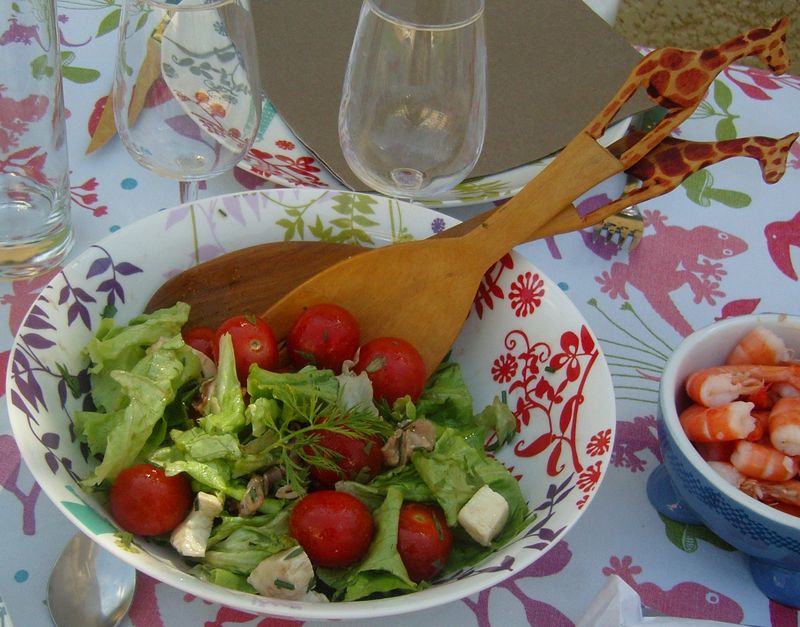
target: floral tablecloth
723 244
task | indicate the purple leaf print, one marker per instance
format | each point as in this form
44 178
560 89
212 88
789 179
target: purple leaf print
234 209
62 392
34 340
175 216
78 310
126 268
38 322
209 251
18 402
52 461
63 295
98 267
83 295
51 440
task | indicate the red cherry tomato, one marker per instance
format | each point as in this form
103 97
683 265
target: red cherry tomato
145 501
394 366
424 540
359 458
334 528
323 335
201 339
253 343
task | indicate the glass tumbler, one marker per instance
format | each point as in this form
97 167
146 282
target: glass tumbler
35 229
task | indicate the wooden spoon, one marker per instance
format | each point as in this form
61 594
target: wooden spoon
253 279
423 290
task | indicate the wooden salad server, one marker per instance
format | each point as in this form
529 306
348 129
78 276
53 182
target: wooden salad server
253 279
422 290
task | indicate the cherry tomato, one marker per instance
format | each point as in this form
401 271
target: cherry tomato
394 366
360 458
201 339
334 528
424 540
253 343
145 501
323 335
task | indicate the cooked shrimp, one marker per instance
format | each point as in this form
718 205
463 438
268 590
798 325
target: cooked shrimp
722 384
715 451
784 425
782 390
763 462
787 492
762 425
718 424
728 471
759 346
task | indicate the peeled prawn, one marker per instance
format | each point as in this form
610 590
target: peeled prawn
718 424
720 385
759 346
784 425
763 462
728 471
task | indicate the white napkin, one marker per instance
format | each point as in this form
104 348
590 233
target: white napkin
618 605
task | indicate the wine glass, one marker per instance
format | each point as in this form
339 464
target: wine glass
186 96
413 111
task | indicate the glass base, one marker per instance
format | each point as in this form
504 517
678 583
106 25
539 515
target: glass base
35 231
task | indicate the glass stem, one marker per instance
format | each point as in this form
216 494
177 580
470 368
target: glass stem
189 191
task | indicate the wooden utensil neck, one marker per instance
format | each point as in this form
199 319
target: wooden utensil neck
581 165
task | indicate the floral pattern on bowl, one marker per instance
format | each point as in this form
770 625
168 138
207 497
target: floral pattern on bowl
524 341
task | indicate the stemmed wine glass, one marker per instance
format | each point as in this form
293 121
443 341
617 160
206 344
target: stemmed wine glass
186 96
413 111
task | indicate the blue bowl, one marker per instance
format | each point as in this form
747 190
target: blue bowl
685 488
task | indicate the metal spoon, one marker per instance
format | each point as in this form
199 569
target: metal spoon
89 587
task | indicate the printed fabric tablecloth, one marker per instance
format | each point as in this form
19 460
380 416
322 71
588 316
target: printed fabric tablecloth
722 244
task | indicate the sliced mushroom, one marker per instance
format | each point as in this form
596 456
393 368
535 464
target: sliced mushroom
253 496
418 434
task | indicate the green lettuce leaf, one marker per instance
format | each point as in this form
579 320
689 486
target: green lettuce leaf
446 400
126 434
225 410
122 347
239 544
456 469
405 477
307 382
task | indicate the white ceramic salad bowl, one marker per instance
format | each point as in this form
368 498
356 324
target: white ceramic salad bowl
523 341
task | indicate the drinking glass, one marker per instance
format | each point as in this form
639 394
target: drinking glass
413 111
35 229
186 97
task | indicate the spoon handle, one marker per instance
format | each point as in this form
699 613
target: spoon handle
673 78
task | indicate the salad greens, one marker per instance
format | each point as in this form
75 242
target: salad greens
144 380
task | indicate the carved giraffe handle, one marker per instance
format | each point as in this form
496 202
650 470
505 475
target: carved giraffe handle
671 163
678 79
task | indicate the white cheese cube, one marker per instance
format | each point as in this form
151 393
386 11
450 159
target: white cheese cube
190 538
285 575
484 515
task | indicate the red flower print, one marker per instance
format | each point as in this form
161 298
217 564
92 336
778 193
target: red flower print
599 443
569 357
285 144
582 501
526 294
504 368
589 478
